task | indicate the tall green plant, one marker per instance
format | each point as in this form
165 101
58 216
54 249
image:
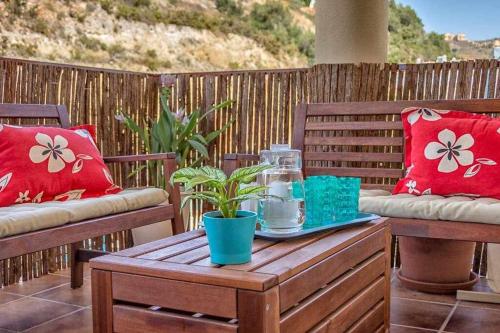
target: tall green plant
224 193
176 132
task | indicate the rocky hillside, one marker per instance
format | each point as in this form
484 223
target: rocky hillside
469 50
159 35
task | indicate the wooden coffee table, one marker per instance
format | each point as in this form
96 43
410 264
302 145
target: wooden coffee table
331 282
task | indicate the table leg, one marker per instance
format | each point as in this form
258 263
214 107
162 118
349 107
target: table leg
259 311
102 301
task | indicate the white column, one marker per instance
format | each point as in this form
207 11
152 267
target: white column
351 31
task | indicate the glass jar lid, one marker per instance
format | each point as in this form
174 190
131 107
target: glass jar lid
280 155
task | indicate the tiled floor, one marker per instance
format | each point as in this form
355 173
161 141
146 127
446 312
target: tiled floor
48 304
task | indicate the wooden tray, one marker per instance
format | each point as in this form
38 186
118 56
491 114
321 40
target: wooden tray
277 236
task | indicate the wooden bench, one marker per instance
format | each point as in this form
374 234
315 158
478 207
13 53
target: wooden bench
75 233
365 139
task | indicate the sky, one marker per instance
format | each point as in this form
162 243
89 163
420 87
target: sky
478 19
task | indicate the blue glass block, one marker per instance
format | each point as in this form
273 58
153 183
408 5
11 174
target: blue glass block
330 199
319 197
346 199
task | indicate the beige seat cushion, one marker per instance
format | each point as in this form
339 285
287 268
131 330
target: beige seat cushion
430 207
19 219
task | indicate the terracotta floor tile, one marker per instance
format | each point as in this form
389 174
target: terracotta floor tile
7 297
405 329
36 285
397 290
78 322
28 312
418 313
467 320
80 296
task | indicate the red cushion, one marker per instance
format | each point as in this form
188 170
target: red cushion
454 157
413 115
91 130
45 163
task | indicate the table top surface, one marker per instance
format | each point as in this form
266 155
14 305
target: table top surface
186 257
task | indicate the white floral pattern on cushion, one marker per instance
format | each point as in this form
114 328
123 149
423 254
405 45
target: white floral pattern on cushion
55 151
412 187
452 152
426 114
4 181
37 198
70 195
23 197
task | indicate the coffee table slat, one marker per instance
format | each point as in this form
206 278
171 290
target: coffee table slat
177 295
133 319
188 273
370 321
176 249
159 244
294 290
314 309
307 256
275 252
352 311
258 245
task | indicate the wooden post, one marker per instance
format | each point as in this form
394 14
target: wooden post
76 265
102 301
259 311
169 167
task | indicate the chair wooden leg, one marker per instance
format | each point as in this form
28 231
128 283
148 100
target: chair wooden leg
76 266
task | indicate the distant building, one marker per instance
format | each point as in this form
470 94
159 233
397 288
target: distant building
442 58
496 43
455 37
496 53
448 37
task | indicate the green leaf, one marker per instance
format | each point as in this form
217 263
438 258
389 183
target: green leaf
213 135
256 189
214 173
245 197
200 196
184 175
248 174
164 96
187 129
136 171
200 138
217 107
199 147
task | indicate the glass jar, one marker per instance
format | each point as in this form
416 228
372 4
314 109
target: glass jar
282 210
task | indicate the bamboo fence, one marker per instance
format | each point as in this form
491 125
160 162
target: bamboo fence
263 106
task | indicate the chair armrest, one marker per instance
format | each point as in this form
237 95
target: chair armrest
233 161
138 158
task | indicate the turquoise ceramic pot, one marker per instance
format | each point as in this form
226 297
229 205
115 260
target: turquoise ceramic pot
230 239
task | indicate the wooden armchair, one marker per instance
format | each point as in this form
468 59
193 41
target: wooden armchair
75 233
365 139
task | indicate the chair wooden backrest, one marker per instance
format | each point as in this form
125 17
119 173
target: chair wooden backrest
35 111
364 139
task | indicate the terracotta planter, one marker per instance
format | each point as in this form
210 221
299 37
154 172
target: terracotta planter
436 262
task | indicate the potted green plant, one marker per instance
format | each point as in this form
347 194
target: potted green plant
229 230
176 132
